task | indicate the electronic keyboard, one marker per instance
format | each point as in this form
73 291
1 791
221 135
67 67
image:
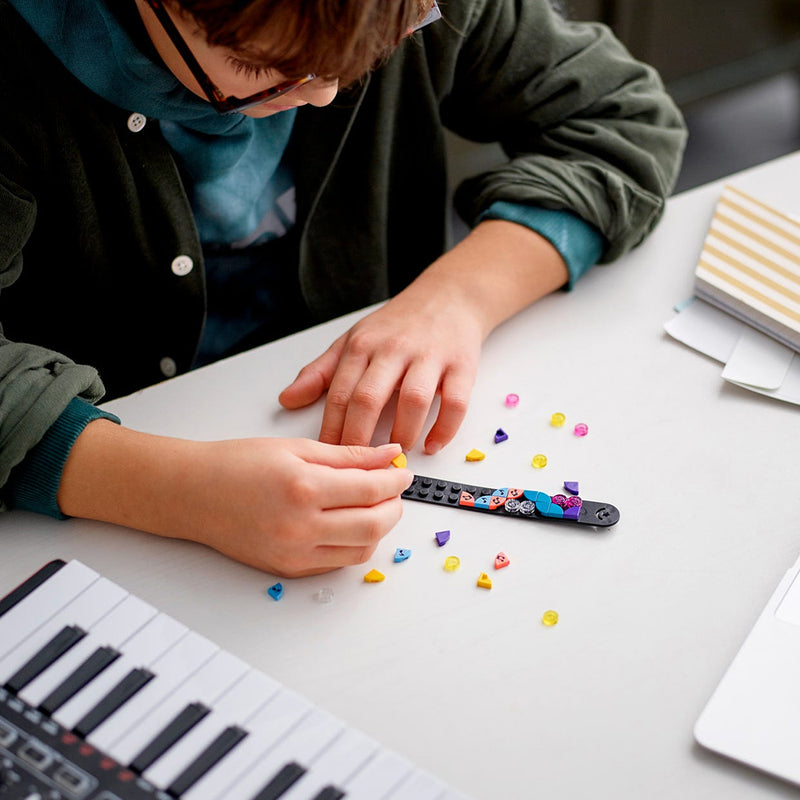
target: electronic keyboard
102 697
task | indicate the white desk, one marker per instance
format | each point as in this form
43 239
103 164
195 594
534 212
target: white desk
468 682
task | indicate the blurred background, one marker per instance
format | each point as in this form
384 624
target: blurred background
733 67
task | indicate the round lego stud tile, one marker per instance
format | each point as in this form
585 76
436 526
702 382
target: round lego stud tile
539 461
557 419
512 400
452 563
581 429
549 618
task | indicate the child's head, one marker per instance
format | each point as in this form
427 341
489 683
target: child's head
229 50
334 39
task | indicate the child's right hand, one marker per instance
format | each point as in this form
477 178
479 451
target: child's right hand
288 506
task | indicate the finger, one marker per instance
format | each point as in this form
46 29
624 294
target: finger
351 537
339 456
369 397
313 379
328 559
417 393
361 527
456 389
348 373
356 488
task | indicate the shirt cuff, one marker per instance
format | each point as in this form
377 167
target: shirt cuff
580 244
33 485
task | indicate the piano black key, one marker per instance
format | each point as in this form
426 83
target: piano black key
156 707
77 597
67 637
87 671
235 706
329 793
180 725
30 585
267 726
282 782
134 681
138 651
216 751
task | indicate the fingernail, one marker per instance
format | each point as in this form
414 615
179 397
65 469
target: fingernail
390 446
431 448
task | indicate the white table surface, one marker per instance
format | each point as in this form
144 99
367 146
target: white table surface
468 682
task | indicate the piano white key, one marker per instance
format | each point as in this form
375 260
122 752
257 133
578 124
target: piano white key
140 650
418 786
120 623
175 666
235 707
344 758
378 777
265 728
37 608
206 685
84 610
302 744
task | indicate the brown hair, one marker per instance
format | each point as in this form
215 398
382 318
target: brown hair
332 38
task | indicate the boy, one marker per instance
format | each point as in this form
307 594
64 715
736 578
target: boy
180 181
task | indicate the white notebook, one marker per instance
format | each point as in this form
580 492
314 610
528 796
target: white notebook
754 714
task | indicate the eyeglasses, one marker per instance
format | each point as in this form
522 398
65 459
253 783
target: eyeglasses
222 104
228 104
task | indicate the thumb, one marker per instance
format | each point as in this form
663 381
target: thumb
313 379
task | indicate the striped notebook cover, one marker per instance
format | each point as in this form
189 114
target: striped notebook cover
750 265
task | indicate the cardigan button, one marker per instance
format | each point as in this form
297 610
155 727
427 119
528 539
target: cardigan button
136 122
168 367
182 265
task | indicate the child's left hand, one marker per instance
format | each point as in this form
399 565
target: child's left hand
419 346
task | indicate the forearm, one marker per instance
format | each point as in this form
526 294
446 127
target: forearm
497 270
115 474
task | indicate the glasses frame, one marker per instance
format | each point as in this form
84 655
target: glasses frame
229 104
222 103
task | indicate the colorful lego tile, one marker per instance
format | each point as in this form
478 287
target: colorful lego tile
484 581
501 560
401 554
275 591
442 538
466 499
550 618
475 455
374 576
400 461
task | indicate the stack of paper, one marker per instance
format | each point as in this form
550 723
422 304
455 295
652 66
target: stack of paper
750 266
